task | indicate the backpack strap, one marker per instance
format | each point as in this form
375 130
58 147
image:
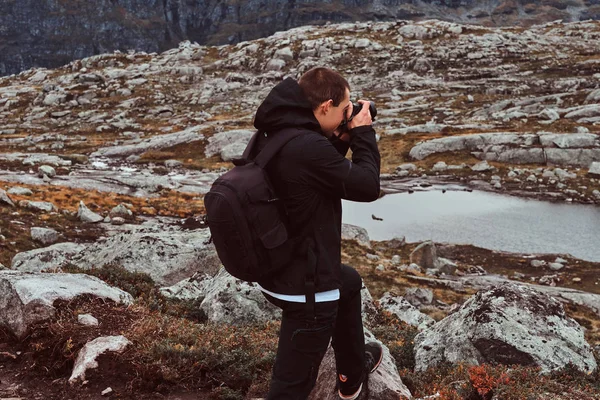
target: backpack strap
274 144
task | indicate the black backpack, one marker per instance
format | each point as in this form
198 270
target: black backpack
247 220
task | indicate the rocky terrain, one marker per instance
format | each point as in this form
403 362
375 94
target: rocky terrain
50 33
104 162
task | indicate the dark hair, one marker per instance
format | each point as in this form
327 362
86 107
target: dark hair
321 84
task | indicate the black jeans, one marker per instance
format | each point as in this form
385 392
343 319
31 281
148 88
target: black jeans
303 340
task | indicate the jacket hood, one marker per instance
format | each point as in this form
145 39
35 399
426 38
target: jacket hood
285 107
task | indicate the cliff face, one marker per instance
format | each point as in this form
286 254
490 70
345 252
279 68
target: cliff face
50 33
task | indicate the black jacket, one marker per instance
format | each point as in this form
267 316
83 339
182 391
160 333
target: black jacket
311 175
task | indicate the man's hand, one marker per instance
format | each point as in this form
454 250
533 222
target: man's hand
363 117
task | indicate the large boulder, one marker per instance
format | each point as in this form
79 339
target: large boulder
510 324
219 141
232 301
353 232
168 256
594 170
158 142
27 298
405 311
384 384
425 255
49 258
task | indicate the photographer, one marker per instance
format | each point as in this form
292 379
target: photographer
320 298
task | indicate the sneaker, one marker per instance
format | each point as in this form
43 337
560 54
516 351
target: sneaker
373 357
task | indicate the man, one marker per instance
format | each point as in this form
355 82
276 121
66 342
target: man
319 297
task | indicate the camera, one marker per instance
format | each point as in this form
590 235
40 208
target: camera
356 108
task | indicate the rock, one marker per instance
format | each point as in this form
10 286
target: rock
116 221
19 191
353 232
384 384
407 167
482 167
44 235
560 260
86 359
445 266
555 266
47 171
396 259
158 142
564 175
233 151
219 141
167 256
173 164
86 215
27 298
50 258
106 391
594 170
549 280
38 205
419 296
396 243
87 319
380 268
510 324
372 257
538 263
405 311
4 199
232 301
121 211
188 289
368 308
275 64
424 255
439 166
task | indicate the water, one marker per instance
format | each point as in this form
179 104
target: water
482 219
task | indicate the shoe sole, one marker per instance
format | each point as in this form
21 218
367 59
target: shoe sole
378 362
352 396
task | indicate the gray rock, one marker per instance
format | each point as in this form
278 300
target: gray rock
555 266
20 191
219 141
86 215
510 324
50 258
568 140
233 151
439 166
482 167
86 359
353 232
564 175
425 255
407 167
87 320
384 384
396 260
538 263
445 266
397 242
419 296
38 205
27 298
46 170
44 235
192 288
173 164
121 211
154 143
232 301
372 257
405 311
116 220
167 256
594 170
5 199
